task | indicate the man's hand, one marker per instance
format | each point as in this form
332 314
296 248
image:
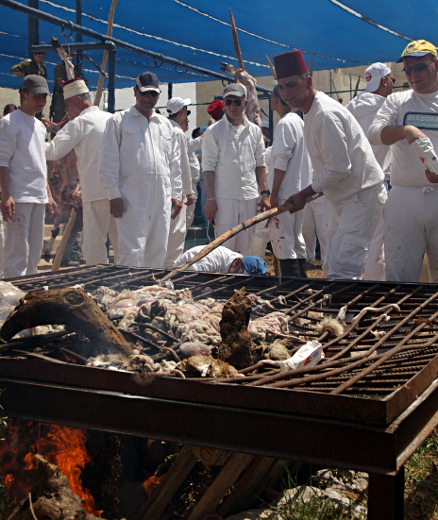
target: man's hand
8 208
298 201
190 199
432 177
117 207
52 207
210 210
265 202
176 208
274 201
412 133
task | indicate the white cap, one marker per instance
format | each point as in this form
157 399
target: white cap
175 104
75 88
373 74
235 89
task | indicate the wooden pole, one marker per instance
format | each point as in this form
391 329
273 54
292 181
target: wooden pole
63 243
236 41
109 32
231 232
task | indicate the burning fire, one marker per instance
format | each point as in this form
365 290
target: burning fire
62 446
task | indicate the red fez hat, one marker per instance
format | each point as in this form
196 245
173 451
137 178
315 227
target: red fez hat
215 108
290 64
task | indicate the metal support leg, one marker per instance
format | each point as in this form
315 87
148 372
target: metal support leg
386 496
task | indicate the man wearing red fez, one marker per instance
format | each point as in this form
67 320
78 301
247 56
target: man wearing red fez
216 109
345 168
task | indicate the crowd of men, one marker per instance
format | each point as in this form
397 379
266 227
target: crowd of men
139 172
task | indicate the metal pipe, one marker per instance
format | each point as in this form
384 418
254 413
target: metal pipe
32 27
111 76
74 47
79 35
119 43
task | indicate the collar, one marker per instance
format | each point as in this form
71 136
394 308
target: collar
245 123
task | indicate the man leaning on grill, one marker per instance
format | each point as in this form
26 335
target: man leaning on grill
407 121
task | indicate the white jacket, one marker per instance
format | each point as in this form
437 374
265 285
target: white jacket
342 158
84 135
364 107
233 159
134 147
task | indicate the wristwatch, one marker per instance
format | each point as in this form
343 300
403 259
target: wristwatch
265 191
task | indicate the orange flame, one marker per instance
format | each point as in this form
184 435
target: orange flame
62 446
151 484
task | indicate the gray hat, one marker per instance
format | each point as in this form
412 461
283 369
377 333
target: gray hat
235 89
35 84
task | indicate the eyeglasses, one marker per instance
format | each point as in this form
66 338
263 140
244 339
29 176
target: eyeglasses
229 102
392 79
151 93
419 67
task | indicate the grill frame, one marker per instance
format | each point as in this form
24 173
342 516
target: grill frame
375 435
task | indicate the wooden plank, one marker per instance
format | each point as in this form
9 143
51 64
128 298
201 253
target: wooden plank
169 485
232 470
248 486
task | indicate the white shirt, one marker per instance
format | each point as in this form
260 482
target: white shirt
364 108
84 135
233 159
289 154
406 168
184 160
342 158
134 146
217 261
22 139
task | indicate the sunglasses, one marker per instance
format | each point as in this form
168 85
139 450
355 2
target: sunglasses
229 102
419 67
151 93
392 79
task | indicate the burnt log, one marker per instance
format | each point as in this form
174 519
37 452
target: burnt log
72 308
50 497
236 346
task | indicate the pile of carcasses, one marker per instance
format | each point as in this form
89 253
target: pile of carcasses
184 332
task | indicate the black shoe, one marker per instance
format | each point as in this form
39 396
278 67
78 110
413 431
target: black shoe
70 263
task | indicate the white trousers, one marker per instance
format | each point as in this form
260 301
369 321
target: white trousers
315 221
286 235
143 241
98 224
24 239
230 213
411 216
351 228
374 268
177 237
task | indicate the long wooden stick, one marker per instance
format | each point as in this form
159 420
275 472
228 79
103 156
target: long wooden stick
271 67
233 231
236 41
63 243
109 32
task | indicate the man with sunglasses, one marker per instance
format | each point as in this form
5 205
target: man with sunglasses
140 166
364 107
405 120
233 162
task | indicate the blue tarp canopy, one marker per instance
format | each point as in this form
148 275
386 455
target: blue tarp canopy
332 34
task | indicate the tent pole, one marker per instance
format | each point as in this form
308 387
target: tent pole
32 27
112 49
79 35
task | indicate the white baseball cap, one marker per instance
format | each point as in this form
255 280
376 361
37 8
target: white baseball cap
175 104
373 74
